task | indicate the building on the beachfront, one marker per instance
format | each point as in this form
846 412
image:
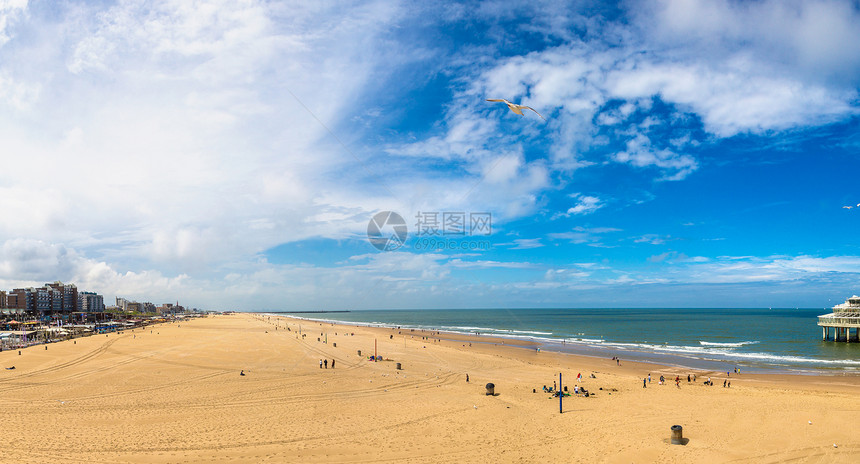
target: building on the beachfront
66 297
845 316
90 302
41 300
166 308
19 298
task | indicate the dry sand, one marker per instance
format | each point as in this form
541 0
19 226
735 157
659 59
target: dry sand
175 395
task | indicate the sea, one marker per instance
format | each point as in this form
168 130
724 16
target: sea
752 340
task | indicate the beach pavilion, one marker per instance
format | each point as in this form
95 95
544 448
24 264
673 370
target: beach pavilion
845 316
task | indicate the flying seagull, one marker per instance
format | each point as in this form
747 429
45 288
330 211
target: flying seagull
847 207
516 108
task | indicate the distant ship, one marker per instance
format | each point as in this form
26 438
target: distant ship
845 316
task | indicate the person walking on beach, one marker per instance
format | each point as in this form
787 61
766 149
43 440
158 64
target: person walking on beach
326 363
320 363
332 363
649 377
467 378
644 385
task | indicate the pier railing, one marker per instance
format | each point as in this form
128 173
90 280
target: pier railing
842 319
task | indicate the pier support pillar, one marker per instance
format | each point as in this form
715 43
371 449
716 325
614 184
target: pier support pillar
824 333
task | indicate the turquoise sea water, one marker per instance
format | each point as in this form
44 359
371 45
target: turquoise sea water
756 340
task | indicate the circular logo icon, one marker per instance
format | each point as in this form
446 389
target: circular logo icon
386 231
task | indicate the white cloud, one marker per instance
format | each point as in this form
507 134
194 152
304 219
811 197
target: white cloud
583 235
819 38
524 243
26 263
734 96
639 153
585 204
10 11
178 126
727 76
653 239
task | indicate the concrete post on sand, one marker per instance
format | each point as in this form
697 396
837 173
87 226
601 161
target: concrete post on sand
491 389
397 366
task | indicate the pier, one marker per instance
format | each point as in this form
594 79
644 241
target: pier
845 316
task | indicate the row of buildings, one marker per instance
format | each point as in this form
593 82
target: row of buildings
127 306
62 300
51 299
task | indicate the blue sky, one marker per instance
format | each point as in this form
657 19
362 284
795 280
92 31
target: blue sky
231 155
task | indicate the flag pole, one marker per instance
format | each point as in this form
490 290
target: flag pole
560 394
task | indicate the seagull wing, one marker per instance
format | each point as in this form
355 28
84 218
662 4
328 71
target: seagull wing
497 100
847 207
530 108
858 204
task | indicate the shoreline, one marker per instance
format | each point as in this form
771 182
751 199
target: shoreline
590 350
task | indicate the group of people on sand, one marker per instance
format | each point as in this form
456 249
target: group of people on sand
577 390
324 363
690 378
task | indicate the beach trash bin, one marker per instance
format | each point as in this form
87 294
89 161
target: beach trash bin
397 366
491 389
677 435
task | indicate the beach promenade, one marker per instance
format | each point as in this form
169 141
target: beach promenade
174 393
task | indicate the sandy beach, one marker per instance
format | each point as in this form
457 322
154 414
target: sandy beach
174 393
